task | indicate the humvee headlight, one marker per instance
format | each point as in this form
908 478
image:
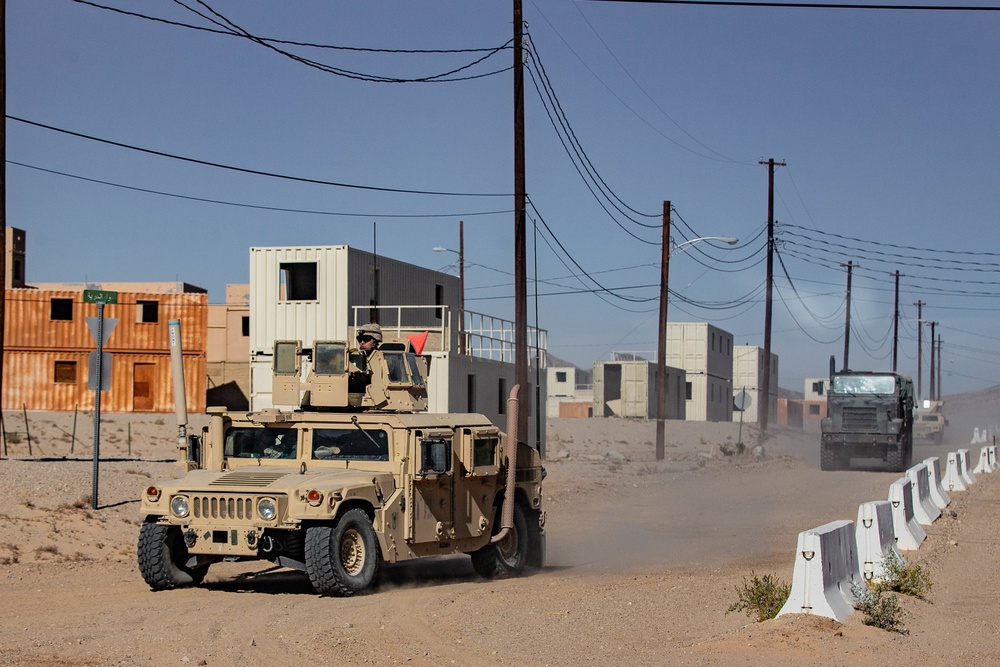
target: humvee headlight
266 509
179 506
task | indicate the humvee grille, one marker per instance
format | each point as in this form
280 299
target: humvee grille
249 477
860 420
223 507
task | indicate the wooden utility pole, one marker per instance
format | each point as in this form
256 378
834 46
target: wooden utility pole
461 287
895 327
932 394
661 339
920 349
520 233
765 400
847 320
938 393
3 184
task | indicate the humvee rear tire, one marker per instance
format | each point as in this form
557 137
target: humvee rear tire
343 559
162 558
507 557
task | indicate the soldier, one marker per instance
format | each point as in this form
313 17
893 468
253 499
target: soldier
369 338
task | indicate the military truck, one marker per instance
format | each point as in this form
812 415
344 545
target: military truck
869 415
357 474
929 422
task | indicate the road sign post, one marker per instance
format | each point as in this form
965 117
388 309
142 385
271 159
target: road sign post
100 297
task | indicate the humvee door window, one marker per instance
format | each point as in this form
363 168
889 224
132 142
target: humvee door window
435 456
261 443
397 367
330 358
484 452
339 444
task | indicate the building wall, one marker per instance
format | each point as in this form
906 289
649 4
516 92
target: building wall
628 389
815 389
46 359
705 352
789 413
748 375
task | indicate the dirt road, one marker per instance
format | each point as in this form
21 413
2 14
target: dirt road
643 559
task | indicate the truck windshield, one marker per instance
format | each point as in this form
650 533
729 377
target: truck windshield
261 443
864 384
350 444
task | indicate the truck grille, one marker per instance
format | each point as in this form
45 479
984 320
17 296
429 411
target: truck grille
232 508
860 420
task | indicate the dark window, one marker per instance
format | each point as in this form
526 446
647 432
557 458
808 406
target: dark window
470 393
814 409
560 376
438 300
65 372
245 324
17 273
818 388
687 390
502 396
62 309
484 452
350 443
298 281
261 443
147 311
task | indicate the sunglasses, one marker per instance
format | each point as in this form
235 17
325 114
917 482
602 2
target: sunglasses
364 339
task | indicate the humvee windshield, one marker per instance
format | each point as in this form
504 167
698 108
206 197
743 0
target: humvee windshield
403 367
261 443
338 444
864 384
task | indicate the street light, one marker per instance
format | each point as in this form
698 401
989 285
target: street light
661 343
461 283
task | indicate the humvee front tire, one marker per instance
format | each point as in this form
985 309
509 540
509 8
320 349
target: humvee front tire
342 559
162 558
507 557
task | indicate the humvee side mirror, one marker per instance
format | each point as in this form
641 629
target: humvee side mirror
435 456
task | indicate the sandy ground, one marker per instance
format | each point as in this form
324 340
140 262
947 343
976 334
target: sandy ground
644 557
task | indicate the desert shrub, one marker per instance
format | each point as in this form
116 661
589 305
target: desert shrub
906 578
760 597
159 421
14 438
15 554
48 549
881 609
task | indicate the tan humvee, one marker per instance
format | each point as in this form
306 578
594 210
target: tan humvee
352 478
929 422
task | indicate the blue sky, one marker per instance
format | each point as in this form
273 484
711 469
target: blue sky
886 121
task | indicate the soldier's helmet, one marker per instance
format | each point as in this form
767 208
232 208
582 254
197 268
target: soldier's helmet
371 329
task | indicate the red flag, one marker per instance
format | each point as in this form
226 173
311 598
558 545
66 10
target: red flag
418 340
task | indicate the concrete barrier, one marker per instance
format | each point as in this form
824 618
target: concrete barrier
908 532
975 436
993 455
875 538
953 479
925 510
984 465
966 469
826 565
938 495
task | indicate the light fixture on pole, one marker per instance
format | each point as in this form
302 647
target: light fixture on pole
661 353
461 286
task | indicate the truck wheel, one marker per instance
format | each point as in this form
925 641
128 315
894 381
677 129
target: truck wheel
536 540
163 557
827 458
895 458
342 559
507 557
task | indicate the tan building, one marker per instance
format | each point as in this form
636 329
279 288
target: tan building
48 344
748 376
705 353
228 349
627 388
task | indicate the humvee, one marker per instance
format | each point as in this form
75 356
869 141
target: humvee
357 475
869 415
929 422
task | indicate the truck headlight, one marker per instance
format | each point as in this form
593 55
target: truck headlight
179 506
266 509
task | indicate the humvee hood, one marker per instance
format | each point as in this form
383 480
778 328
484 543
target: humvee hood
272 478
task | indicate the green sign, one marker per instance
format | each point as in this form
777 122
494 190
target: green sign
99 296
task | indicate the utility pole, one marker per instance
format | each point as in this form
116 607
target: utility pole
520 234
938 393
461 288
895 327
932 394
920 350
3 183
847 320
661 339
765 403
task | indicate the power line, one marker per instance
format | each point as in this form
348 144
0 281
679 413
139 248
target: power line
810 5
257 172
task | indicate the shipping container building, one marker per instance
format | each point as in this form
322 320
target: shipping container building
748 377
